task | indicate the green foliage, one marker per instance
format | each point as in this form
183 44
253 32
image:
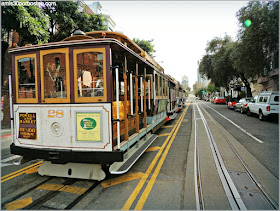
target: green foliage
212 88
216 64
146 45
28 21
49 23
68 16
257 51
198 93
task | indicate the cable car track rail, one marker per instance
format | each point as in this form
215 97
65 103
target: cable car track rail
270 201
228 185
197 176
51 193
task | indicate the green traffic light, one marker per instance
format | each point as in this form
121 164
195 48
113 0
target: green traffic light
247 23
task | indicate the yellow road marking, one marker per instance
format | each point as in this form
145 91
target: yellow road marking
148 189
168 126
136 191
166 134
20 172
63 188
31 171
73 189
14 205
152 149
122 179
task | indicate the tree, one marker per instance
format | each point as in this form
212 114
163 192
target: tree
199 93
216 64
254 54
28 21
257 51
68 16
212 88
146 45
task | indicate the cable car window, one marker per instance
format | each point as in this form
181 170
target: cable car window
90 74
156 84
54 67
163 87
149 83
26 78
166 87
160 86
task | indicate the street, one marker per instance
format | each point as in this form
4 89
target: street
200 160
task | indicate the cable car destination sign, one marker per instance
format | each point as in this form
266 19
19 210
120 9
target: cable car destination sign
27 126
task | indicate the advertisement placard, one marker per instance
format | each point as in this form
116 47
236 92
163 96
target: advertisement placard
88 126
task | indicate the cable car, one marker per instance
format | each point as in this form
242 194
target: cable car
88 105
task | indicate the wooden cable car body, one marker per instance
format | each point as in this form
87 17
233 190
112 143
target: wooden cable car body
87 105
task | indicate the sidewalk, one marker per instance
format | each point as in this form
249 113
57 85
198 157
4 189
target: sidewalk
5 132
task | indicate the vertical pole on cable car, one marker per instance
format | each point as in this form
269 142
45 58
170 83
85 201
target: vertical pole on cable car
141 92
154 88
168 101
11 107
118 108
131 95
145 104
149 94
136 100
145 100
125 100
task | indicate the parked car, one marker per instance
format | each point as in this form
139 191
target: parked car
266 104
231 103
242 104
220 100
206 98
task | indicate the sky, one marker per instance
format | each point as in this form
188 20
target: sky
180 29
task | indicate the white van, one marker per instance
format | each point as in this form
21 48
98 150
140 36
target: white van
265 104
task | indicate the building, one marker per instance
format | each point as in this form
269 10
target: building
96 8
185 82
202 79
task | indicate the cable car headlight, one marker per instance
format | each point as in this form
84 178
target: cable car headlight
56 128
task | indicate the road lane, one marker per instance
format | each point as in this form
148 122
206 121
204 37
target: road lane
267 131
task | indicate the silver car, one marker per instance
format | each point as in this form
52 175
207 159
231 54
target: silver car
242 104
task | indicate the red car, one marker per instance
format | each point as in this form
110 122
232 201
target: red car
231 103
220 100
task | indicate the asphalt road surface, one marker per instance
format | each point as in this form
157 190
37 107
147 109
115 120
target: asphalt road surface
266 131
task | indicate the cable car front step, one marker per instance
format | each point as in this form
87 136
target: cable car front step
132 155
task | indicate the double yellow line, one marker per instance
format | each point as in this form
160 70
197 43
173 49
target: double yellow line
20 172
147 190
